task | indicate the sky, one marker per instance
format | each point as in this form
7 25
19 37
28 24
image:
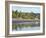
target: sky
26 9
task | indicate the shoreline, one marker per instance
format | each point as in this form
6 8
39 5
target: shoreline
14 19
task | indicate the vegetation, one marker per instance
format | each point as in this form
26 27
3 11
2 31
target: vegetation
25 15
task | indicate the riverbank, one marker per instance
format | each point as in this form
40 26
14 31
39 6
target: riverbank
14 19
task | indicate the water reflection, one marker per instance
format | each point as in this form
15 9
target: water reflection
26 26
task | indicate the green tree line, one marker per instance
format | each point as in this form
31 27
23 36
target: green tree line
23 15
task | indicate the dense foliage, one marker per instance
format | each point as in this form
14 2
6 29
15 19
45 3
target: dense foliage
23 15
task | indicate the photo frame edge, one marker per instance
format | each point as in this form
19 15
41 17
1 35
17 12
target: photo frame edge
7 18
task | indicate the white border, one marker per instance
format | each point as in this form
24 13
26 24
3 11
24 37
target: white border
23 32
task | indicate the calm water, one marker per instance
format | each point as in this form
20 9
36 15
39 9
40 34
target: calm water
35 25
27 29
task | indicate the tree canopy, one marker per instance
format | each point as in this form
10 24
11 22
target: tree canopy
31 15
